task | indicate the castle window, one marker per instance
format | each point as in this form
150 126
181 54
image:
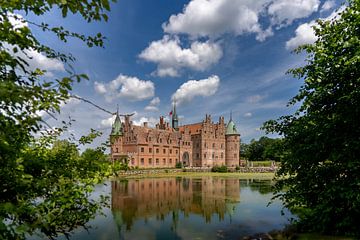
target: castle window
235 155
213 155
164 150
176 151
160 140
170 141
204 155
164 161
157 150
170 151
150 161
149 139
197 155
170 161
222 145
117 150
213 145
204 144
142 149
157 161
222 155
142 161
133 161
150 150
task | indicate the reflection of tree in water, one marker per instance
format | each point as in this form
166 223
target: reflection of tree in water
261 186
186 183
140 199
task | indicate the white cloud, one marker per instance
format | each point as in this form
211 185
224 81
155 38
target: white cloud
131 88
212 18
171 57
248 114
34 58
108 121
100 88
153 105
330 4
284 12
155 101
255 98
190 89
140 122
304 34
17 20
38 60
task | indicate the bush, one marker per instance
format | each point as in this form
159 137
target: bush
178 165
237 168
222 169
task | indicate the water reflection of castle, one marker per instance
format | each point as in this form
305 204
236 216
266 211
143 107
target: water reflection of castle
145 198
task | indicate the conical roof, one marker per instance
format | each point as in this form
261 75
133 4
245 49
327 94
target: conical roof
116 127
231 128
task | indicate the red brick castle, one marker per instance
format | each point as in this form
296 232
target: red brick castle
203 144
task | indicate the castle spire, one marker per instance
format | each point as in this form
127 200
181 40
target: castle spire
175 121
117 126
230 115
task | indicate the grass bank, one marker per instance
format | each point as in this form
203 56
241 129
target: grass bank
259 176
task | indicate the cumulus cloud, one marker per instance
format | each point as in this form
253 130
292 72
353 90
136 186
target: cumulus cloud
284 12
330 4
151 121
34 58
171 57
38 60
193 88
304 34
107 122
212 18
153 105
130 88
100 88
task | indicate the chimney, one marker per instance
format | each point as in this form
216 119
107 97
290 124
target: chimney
145 124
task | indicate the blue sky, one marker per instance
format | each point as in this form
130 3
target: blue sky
212 56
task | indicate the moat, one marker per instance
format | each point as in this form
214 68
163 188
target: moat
186 208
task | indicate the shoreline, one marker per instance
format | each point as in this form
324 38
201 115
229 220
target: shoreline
172 173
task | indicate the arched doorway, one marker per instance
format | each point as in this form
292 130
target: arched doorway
186 159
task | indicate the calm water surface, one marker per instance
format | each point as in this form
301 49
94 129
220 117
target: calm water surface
186 208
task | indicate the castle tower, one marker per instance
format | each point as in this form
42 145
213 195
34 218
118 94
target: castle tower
232 145
175 121
116 138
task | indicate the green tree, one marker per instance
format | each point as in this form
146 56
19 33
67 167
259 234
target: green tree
273 150
244 150
255 150
44 187
321 170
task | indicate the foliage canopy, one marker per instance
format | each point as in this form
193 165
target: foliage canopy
44 183
321 170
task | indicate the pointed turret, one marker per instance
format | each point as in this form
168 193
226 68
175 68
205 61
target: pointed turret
175 121
231 128
117 127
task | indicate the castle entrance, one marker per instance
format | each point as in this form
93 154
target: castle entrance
186 159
